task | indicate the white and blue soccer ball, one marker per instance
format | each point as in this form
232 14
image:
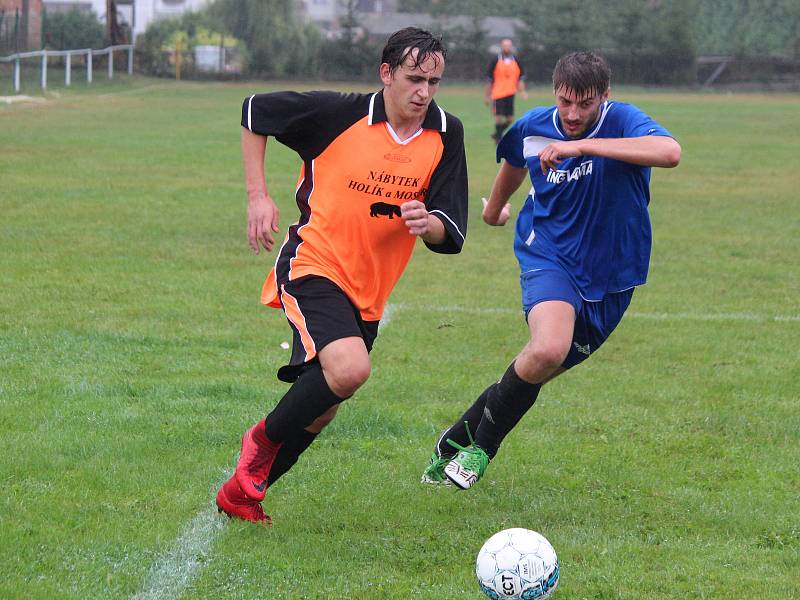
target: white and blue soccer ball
517 564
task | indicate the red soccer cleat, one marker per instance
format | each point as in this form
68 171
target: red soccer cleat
255 461
232 501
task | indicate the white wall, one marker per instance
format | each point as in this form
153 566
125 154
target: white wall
322 10
145 11
150 10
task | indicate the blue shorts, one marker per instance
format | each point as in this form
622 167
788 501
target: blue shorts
594 321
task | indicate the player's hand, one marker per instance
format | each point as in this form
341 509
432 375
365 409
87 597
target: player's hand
500 218
415 215
263 218
552 154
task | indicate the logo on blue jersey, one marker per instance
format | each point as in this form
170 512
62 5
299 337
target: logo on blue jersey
560 175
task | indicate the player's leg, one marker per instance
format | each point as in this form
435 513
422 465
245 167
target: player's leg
499 128
293 447
467 425
551 325
500 118
321 317
508 122
458 434
345 366
504 116
329 321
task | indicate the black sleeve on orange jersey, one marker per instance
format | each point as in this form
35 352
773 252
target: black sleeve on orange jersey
306 122
447 196
521 68
490 69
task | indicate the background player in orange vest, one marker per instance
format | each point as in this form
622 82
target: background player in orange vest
379 171
506 78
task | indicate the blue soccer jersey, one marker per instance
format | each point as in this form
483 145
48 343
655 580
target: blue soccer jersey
590 216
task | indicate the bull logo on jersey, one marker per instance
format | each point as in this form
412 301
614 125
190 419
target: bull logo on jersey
382 208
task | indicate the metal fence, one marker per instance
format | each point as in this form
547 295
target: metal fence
87 53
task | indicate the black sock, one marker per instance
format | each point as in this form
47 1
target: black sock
507 402
458 432
290 451
499 128
308 398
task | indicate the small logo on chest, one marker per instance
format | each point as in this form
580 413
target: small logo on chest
396 157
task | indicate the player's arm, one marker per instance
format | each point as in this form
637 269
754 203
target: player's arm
262 212
487 93
441 220
646 151
497 210
521 88
521 81
421 223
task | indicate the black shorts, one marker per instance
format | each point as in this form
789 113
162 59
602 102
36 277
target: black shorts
319 313
504 107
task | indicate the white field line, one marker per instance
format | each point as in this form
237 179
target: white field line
176 567
21 98
388 313
144 88
665 316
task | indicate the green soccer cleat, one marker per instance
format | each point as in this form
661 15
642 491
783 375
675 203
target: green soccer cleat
467 467
434 472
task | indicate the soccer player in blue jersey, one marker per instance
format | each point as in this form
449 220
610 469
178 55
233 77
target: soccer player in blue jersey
582 241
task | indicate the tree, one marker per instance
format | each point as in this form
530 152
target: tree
652 42
554 28
72 30
350 56
278 45
748 28
467 48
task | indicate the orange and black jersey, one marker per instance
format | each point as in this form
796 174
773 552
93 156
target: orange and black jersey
504 72
355 175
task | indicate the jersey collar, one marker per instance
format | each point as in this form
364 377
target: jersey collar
593 128
434 119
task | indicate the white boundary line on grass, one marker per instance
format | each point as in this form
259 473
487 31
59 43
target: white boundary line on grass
174 569
665 316
388 313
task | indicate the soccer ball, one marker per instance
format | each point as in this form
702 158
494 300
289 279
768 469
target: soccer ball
518 564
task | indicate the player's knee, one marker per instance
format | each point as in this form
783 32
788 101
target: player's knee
542 358
550 355
345 377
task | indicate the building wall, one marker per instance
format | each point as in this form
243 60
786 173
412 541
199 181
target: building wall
147 11
30 32
329 11
141 12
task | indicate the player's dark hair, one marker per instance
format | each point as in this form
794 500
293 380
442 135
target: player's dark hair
402 42
585 73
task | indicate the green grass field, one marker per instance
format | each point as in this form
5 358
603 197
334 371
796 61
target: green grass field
134 353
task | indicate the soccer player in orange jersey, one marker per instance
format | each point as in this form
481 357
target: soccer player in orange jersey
379 171
506 78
